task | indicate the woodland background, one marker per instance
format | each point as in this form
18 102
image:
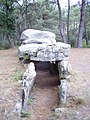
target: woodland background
71 25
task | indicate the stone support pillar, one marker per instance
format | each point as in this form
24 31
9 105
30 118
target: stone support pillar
28 81
63 68
63 91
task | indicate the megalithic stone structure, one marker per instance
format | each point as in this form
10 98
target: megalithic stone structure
41 46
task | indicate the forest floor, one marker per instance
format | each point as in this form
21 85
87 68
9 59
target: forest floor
44 96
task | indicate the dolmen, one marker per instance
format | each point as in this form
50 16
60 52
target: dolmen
41 46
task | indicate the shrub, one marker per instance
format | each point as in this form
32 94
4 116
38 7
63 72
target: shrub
89 44
84 44
4 45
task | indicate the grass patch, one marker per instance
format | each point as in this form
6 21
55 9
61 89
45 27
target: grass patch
25 114
17 75
30 100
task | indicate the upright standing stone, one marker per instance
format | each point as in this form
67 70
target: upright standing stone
28 81
63 68
63 91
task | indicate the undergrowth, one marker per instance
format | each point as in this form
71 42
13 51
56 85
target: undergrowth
25 114
17 75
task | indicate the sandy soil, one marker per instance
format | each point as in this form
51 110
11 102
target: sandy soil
9 87
44 96
78 100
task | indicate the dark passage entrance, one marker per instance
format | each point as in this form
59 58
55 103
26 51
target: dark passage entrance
45 92
47 74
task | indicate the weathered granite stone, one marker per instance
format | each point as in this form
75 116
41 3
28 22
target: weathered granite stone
64 69
60 110
31 36
63 91
30 73
44 52
28 82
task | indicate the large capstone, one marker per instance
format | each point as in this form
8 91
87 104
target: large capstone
31 36
44 52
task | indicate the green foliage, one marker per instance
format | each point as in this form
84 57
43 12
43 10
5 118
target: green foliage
84 44
73 43
4 45
42 15
7 19
30 100
89 45
26 56
16 76
46 13
25 114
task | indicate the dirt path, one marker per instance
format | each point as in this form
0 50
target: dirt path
45 93
44 96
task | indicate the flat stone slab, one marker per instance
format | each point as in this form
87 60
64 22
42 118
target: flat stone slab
45 52
31 36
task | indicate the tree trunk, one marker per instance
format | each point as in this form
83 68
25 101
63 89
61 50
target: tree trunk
81 25
68 36
60 23
86 34
26 23
11 41
8 37
85 25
